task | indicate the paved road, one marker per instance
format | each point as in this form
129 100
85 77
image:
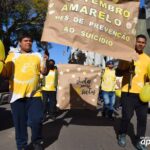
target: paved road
73 130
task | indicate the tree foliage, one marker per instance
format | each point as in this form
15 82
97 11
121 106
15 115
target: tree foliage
78 57
18 16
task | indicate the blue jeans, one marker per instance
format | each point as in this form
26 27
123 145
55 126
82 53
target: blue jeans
27 111
109 99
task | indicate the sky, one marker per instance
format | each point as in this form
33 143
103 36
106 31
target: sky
59 52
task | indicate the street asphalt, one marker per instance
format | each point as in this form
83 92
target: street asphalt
73 130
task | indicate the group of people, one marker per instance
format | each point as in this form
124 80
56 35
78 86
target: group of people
23 68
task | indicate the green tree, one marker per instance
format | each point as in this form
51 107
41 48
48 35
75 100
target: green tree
18 16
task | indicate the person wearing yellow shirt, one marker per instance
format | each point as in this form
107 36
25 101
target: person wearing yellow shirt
133 81
23 67
49 90
108 89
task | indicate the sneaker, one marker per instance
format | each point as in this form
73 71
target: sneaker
52 117
44 119
116 112
38 146
122 140
110 115
111 118
103 114
140 146
23 147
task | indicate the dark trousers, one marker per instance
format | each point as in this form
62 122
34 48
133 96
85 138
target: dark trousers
131 102
27 111
49 99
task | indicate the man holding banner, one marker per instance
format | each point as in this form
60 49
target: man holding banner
133 81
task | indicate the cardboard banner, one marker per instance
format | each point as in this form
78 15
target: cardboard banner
78 86
94 25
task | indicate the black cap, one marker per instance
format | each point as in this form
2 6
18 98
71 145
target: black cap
110 62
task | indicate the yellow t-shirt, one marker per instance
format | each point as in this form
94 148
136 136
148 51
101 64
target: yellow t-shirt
108 80
141 68
23 71
50 81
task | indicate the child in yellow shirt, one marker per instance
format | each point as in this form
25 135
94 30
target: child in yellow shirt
108 89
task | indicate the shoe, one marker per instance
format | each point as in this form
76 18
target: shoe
44 119
25 147
103 114
38 146
140 146
110 115
116 112
122 140
111 118
52 117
